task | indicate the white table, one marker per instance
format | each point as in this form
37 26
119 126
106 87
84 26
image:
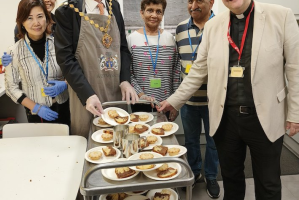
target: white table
35 168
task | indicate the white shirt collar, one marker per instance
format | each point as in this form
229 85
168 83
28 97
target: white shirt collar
92 4
241 16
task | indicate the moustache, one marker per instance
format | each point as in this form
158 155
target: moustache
196 9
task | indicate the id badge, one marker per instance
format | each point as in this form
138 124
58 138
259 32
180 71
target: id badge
43 93
188 67
155 83
237 72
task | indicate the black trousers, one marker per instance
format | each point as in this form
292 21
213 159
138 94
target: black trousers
63 111
235 133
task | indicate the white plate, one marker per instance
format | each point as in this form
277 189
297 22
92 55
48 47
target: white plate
153 174
173 194
138 193
97 136
158 142
183 150
136 157
150 117
136 197
96 122
111 121
103 197
110 173
145 133
174 129
103 159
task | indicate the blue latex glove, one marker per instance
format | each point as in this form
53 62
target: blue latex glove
45 112
56 89
6 59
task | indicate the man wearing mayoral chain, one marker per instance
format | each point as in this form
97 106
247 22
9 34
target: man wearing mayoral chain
88 33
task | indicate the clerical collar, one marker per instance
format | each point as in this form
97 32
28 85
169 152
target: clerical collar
245 14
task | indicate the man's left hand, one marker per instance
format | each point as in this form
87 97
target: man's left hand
128 92
293 127
173 115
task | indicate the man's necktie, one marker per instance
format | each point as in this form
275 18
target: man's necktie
100 6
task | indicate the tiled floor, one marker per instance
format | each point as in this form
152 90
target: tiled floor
290 189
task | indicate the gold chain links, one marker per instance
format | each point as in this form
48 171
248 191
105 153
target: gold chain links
91 21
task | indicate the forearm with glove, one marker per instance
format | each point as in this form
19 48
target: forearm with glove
44 112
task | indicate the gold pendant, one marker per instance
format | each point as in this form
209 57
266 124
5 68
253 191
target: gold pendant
107 40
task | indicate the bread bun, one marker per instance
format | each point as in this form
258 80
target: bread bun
167 127
143 117
112 114
146 156
151 139
173 151
95 155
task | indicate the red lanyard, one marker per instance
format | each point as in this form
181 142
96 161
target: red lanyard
230 40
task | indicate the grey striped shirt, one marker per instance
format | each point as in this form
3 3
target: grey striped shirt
200 96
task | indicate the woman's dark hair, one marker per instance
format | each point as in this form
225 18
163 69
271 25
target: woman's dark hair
145 3
24 10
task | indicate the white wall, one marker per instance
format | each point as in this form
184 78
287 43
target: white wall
9 12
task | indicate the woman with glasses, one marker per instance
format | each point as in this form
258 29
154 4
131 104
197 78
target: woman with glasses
155 67
43 91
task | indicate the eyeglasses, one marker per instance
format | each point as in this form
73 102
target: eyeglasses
151 12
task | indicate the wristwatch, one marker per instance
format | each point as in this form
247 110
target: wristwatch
33 113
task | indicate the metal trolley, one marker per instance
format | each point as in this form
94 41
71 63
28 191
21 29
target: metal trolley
94 184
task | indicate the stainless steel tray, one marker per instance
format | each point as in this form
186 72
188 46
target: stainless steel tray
115 103
93 184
